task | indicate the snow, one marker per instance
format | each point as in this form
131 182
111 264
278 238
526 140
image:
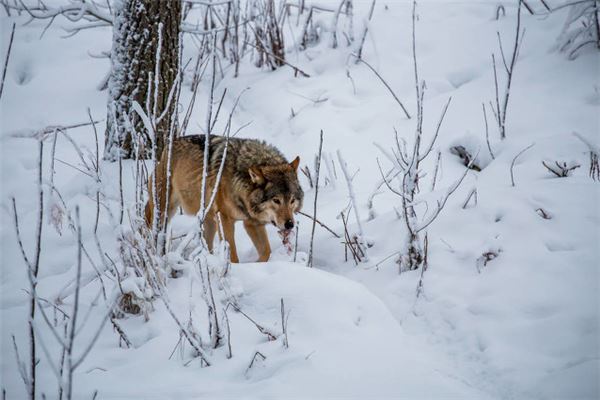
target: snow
525 325
334 333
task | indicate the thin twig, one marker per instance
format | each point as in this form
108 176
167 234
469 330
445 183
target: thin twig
270 335
121 332
471 194
309 262
384 83
512 164
487 132
320 223
256 355
284 325
10 42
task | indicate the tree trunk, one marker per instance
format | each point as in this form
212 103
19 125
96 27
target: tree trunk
146 40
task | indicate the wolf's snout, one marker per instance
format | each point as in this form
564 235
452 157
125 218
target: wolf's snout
289 224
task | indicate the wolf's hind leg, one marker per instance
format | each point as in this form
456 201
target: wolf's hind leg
149 209
173 204
258 235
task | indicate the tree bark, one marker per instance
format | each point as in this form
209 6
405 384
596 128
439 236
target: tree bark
146 40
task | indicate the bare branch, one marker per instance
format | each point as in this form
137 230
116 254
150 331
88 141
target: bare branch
437 130
472 194
560 170
43 133
526 6
21 367
487 132
10 42
384 83
512 164
437 167
256 355
121 332
284 325
594 170
320 223
442 202
351 193
498 9
309 262
296 69
270 335
75 11
363 37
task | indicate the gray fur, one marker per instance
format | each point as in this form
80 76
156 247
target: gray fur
251 153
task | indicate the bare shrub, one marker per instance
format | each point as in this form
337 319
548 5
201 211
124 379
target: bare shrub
499 109
560 169
406 160
581 28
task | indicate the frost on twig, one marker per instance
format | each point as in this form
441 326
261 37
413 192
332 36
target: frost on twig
514 160
309 261
363 36
351 242
284 324
268 35
581 28
358 238
420 285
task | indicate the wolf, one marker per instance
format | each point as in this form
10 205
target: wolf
257 186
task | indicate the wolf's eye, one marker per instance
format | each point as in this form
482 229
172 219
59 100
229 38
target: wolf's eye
293 201
276 201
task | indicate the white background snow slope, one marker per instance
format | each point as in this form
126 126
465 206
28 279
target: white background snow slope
526 325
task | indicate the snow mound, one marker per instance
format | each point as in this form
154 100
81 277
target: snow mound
339 345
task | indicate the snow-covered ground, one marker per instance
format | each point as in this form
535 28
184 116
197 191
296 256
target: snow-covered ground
525 325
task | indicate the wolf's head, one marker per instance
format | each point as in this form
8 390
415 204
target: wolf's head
276 194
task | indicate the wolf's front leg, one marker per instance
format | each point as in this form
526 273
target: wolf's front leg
258 235
210 229
229 233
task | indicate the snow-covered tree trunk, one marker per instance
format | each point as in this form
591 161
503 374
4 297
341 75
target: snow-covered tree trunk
145 64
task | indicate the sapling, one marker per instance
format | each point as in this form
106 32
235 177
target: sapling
408 160
500 108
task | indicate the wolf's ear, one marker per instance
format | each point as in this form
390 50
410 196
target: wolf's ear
294 164
256 175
